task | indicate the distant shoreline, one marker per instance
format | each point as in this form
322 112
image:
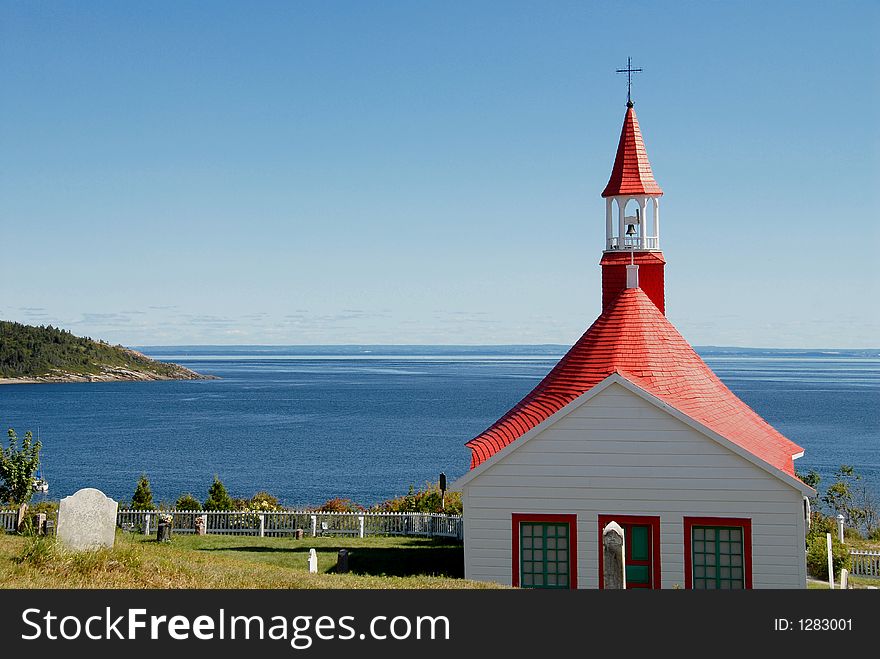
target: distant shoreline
116 376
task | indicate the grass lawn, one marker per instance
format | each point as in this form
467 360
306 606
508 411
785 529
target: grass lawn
234 562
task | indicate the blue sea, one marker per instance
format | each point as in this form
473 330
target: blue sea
366 422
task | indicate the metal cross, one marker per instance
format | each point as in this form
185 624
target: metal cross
629 81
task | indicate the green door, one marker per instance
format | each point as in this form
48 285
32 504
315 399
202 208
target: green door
639 569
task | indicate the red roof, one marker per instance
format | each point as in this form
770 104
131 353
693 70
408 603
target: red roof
635 340
631 173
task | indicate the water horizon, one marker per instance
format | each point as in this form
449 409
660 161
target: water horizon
309 423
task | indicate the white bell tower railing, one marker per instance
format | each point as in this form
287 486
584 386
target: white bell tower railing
640 231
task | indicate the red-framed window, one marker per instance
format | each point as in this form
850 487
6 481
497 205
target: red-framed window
642 537
544 548
717 553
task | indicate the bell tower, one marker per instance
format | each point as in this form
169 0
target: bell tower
632 216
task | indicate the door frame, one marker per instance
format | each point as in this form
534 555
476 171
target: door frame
643 520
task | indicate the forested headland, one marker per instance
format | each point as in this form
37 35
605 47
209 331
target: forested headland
31 353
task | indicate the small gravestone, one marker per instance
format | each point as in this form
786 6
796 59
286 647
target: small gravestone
342 561
298 534
40 523
21 518
87 520
163 528
613 561
844 579
201 523
313 561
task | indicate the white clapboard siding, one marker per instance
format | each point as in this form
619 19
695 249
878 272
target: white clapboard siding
618 453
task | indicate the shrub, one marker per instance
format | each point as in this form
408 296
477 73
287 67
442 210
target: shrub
339 505
143 495
817 556
849 533
426 500
187 502
264 501
821 524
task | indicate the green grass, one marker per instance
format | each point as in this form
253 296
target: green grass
233 562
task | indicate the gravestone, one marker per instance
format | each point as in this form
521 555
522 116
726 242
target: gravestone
298 534
87 520
40 523
201 523
613 561
844 579
21 518
313 561
342 561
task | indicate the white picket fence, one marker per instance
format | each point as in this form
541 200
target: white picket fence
286 523
865 563
8 518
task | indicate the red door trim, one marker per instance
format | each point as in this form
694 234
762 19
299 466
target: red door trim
653 522
570 519
745 523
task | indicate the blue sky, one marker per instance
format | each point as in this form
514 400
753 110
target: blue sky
427 172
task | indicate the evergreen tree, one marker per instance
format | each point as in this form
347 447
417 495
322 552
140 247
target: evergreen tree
187 502
143 495
218 497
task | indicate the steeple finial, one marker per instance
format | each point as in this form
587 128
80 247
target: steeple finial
629 71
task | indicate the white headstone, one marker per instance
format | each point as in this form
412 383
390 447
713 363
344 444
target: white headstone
87 520
844 579
613 559
830 562
313 562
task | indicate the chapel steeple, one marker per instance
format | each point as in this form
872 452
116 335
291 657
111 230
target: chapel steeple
632 214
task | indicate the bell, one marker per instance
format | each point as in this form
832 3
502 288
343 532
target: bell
630 229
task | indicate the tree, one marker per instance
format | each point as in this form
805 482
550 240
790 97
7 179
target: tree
218 497
143 495
17 467
188 502
839 496
811 478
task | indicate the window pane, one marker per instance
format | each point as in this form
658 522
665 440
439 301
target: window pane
544 555
717 560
